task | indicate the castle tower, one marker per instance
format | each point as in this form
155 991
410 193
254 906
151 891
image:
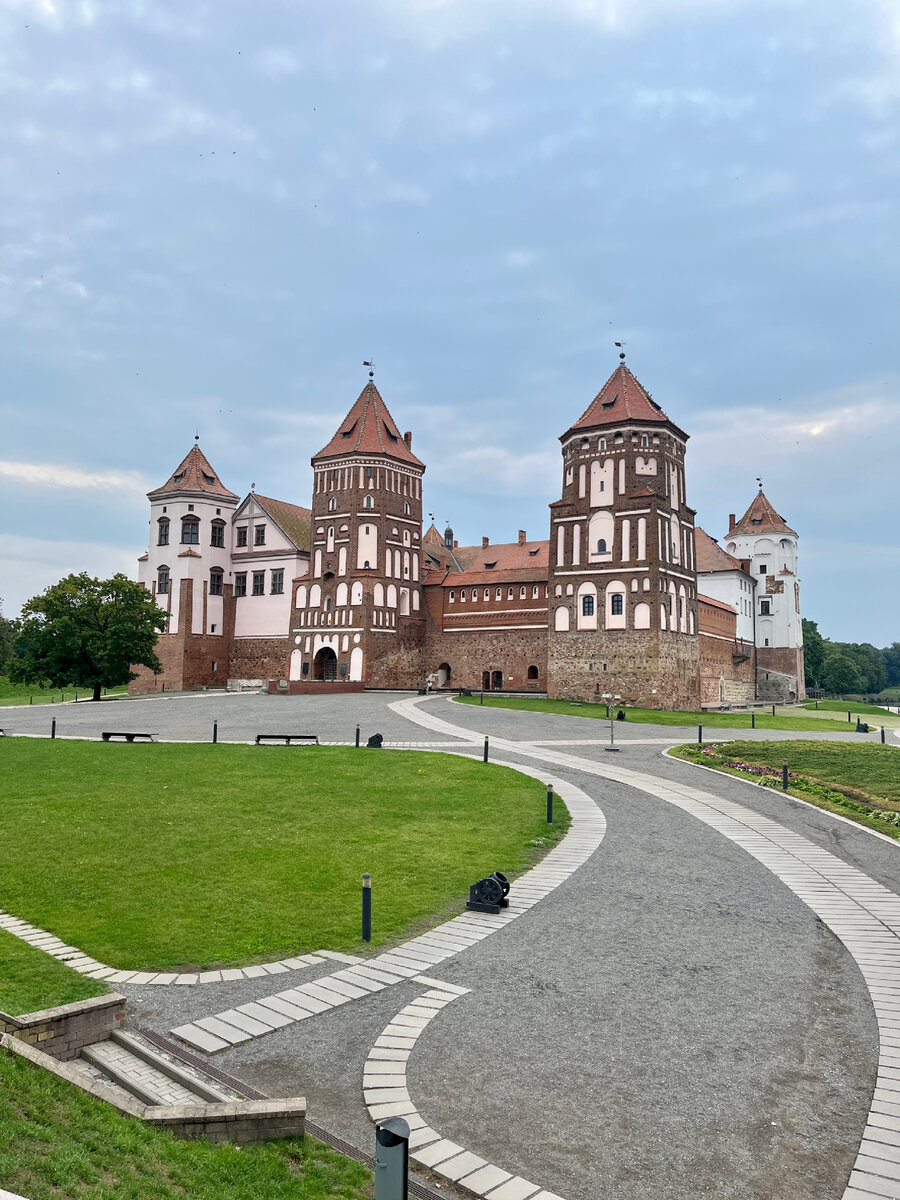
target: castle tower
187 567
623 582
360 616
764 538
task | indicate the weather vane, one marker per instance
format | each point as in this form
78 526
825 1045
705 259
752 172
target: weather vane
759 481
621 346
371 365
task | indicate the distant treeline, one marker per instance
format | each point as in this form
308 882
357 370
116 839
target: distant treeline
842 668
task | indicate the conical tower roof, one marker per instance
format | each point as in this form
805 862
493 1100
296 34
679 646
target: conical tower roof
195 475
761 517
622 399
369 429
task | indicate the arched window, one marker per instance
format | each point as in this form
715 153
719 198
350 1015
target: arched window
315 596
462 596
601 545
332 504
392 596
190 531
616 617
561 619
162 581
367 503
328 604
522 592
642 616
532 673
617 604
163 539
216 579
406 508
217 534
487 593
587 606
509 593
301 596
341 597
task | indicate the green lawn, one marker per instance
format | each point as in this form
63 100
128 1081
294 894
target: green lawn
845 706
31 980
166 855
58 1143
653 716
20 693
858 781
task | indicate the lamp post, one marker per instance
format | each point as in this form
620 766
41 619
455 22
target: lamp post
608 697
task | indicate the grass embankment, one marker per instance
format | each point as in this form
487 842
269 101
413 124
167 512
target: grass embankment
847 706
860 782
57 1142
21 693
31 980
652 716
164 856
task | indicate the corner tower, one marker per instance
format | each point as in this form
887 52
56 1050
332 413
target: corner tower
360 616
623 580
764 538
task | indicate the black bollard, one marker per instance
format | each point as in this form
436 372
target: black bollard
773 710
549 804
53 728
215 732
485 749
367 907
848 716
784 776
392 1159
882 735
357 737
699 735
31 699
753 720
482 696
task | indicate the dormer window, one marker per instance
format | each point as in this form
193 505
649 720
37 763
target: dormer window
163 539
178 478
490 566
210 479
190 531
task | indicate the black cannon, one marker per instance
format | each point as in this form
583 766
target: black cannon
861 726
376 741
488 895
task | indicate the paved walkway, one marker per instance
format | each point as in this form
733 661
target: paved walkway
703 1007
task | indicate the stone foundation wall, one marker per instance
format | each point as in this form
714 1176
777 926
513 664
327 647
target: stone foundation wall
189 660
470 654
776 661
648 668
722 680
64 1031
259 658
777 688
314 687
395 660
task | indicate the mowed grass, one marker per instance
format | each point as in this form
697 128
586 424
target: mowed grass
165 856
58 1142
20 693
652 716
847 706
31 980
869 772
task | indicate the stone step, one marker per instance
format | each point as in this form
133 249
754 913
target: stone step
133 1066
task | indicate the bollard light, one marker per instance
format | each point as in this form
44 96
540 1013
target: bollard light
367 907
392 1159
485 749
753 720
549 803
357 737
215 732
488 895
53 728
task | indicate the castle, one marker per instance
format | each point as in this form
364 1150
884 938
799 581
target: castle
627 598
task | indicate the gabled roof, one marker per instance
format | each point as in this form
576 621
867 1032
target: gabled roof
369 428
711 556
293 521
498 576
432 536
622 399
193 474
761 517
532 557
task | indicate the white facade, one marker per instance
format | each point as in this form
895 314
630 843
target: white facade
773 564
264 561
735 588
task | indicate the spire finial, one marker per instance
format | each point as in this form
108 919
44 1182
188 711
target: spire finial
759 481
621 346
371 365
197 438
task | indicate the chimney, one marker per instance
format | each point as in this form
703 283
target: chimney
485 542
521 537
455 544
731 522
407 437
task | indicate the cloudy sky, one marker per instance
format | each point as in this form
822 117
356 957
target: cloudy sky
211 213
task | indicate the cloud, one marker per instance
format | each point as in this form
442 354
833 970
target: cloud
519 259
28 565
277 61
712 106
130 484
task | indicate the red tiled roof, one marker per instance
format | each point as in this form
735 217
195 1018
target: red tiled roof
294 521
621 399
729 608
505 556
432 536
369 428
711 556
488 578
193 474
761 517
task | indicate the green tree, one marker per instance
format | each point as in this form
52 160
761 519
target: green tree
86 632
891 656
839 674
814 652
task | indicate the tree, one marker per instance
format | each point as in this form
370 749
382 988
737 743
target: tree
814 650
840 674
8 630
86 632
891 655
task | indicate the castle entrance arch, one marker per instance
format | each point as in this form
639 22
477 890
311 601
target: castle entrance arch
485 681
497 681
325 665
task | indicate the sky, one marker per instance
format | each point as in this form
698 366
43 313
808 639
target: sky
212 213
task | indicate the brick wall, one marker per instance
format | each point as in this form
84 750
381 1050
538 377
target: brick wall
395 660
727 664
649 668
62 1032
470 654
259 658
187 658
781 673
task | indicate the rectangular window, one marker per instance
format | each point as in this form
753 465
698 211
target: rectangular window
259 583
218 534
162 583
763 570
616 608
190 531
215 583
241 539
215 665
240 583
452 597
163 533
259 535
277 583
764 608
587 606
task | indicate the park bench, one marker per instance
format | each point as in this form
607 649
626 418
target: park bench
129 737
303 739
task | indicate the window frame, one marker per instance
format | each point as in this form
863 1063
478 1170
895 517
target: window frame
240 584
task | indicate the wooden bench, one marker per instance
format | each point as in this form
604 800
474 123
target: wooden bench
303 739
129 737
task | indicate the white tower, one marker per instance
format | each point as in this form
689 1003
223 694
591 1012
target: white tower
764 538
